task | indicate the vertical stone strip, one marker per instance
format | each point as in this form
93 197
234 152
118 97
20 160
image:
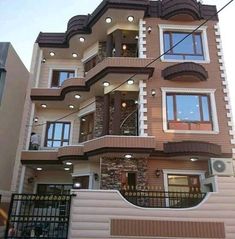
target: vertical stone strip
223 76
142 109
142 39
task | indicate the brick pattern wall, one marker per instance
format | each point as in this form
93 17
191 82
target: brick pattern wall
112 170
98 119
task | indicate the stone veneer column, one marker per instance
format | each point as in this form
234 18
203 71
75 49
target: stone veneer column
117 113
109 45
117 35
106 114
225 85
98 119
112 170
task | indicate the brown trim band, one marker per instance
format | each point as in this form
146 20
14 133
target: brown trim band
169 229
78 85
185 69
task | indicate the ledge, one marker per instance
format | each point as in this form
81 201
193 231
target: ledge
192 147
112 65
188 71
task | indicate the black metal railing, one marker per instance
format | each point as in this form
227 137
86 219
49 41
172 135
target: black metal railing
38 216
162 199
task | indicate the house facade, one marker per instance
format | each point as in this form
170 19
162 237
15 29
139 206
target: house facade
130 111
13 85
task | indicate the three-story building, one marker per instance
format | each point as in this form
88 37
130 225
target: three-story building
131 109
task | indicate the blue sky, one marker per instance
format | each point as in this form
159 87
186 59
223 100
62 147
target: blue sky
22 20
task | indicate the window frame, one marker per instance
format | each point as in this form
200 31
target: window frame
184 29
197 91
200 108
53 133
52 68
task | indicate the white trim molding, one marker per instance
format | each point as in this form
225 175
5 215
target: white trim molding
224 82
142 39
210 92
184 28
143 119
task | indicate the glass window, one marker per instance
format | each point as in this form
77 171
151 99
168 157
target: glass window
188 112
189 49
57 134
86 127
59 76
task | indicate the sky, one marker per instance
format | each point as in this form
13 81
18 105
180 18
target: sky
22 20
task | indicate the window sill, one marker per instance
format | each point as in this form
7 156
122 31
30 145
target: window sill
190 131
195 61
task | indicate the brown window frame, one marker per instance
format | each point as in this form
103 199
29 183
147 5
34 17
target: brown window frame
171 52
55 81
53 133
190 122
192 188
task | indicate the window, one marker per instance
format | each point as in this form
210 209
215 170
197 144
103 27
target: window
57 134
129 180
189 49
193 48
183 183
188 112
86 127
59 76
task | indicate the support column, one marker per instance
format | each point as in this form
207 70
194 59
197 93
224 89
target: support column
109 45
117 113
118 43
106 115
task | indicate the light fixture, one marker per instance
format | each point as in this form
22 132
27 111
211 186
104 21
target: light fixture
194 159
130 82
106 83
130 19
77 96
153 92
128 156
35 119
124 47
71 106
66 169
149 29
69 163
158 173
52 53
124 104
108 20
77 185
44 60
136 37
82 39
83 120
39 169
75 55
136 102
43 105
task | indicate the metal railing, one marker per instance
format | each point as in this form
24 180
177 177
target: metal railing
38 216
162 199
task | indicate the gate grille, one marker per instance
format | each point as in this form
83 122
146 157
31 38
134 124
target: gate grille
38 216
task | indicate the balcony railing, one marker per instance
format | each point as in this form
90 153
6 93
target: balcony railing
162 199
38 216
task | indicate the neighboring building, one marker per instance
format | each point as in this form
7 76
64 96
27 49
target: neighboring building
115 118
13 84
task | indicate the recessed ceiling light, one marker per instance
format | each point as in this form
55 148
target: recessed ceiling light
43 105
136 37
124 47
128 156
39 169
75 55
82 39
194 159
77 96
71 106
77 185
66 169
130 82
106 83
52 53
108 19
124 104
69 163
130 18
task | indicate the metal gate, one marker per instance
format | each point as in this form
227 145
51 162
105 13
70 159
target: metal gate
38 216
